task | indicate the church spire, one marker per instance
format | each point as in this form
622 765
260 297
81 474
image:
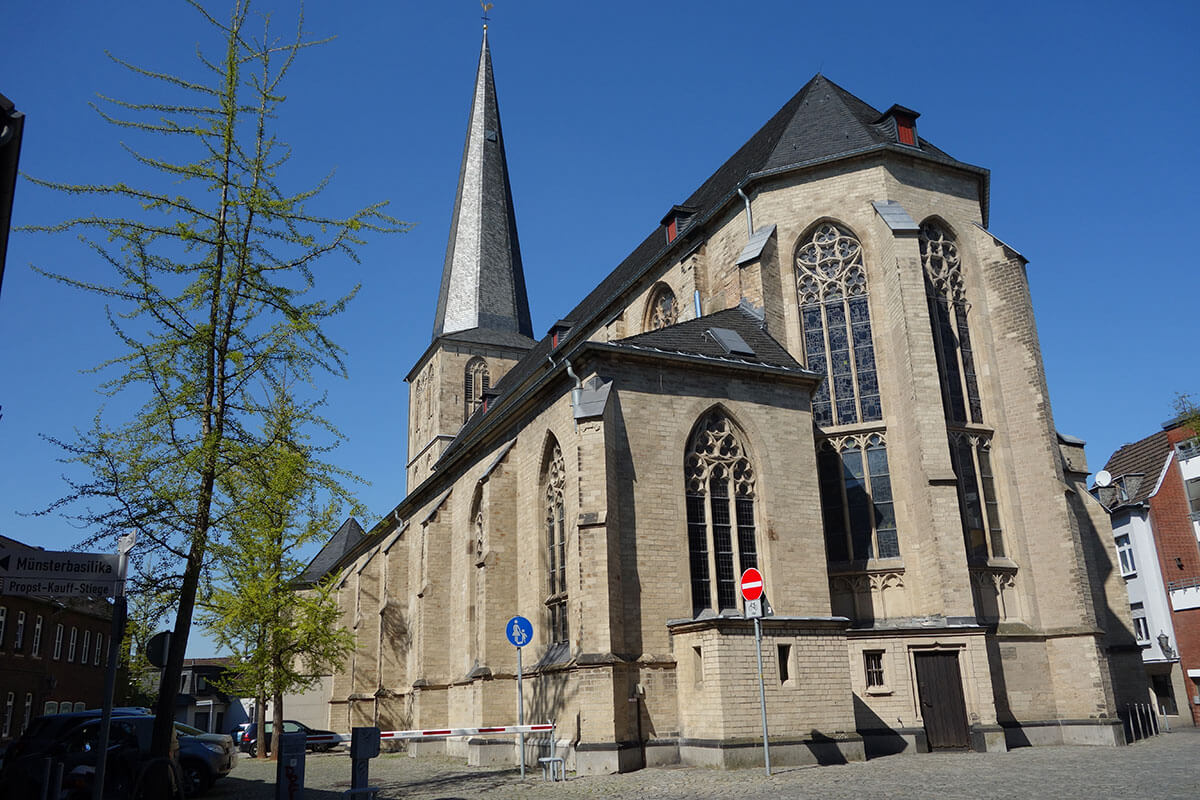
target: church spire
483 284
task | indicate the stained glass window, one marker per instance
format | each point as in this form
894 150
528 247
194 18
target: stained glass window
948 318
720 513
856 499
556 546
836 322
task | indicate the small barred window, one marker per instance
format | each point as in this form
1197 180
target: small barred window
831 283
873 666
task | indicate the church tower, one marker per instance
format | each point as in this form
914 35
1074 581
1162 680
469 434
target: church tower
482 325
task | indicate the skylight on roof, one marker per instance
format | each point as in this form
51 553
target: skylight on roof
731 341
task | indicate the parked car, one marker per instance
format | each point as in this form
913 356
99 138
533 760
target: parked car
203 757
249 742
73 740
237 732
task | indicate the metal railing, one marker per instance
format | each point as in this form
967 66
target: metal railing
1140 721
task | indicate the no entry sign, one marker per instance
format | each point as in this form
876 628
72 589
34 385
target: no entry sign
752 584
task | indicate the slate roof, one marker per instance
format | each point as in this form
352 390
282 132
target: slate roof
1145 458
338 545
690 338
483 282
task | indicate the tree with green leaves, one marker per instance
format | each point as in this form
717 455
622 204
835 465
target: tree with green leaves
211 298
284 497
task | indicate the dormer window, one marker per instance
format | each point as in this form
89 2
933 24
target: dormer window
557 331
676 221
905 122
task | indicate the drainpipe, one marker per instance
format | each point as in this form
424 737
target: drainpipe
576 393
749 214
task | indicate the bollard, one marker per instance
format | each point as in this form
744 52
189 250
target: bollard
364 745
289 769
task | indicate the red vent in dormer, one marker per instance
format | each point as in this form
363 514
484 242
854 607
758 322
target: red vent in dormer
906 131
676 221
672 231
905 120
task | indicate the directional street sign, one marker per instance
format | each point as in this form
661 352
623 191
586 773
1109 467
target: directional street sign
752 584
56 573
519 631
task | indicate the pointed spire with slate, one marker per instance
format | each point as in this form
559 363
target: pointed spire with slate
483 284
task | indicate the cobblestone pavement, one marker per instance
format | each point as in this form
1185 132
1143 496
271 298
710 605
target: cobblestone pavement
1166 768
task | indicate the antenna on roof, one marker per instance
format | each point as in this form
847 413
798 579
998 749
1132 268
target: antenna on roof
1103 478
486 8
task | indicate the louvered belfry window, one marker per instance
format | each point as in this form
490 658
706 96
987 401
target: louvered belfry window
476 381
831 285
720 513
556 546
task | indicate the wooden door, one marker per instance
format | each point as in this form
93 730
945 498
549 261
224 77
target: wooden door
939 689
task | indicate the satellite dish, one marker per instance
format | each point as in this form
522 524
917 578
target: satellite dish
1103 478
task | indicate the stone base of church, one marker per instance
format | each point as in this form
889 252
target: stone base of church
1038 733
784 752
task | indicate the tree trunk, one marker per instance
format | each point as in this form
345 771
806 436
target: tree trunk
277 699
261 718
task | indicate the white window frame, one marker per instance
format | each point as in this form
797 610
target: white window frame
19 633
28 712
87 642
1141 628
8 713
96 658
58 639
51 707
1127 562
3 624
71 647
37 637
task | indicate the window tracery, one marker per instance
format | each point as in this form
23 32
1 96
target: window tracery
719 481
948 309
662 310
556 545
970 455
476 381
831 285
856 498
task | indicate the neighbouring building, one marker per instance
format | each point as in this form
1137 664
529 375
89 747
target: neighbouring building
201 702
1152 490
53 654
822 363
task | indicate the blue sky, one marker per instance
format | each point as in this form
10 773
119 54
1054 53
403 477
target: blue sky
1086 113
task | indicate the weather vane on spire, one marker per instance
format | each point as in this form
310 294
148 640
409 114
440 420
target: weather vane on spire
486 8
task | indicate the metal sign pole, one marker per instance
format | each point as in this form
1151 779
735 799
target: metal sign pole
116 636
762 692
520 711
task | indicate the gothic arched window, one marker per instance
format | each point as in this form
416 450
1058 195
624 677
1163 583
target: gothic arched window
948 318
831 285
856 498
554 479
476 380
970 455
662 309
720 513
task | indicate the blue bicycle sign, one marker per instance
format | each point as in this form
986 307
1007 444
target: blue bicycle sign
519 631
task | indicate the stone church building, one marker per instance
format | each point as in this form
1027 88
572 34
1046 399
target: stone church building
822 363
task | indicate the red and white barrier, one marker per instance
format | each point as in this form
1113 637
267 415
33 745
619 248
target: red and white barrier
437 732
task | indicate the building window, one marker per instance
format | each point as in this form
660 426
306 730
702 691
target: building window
96 658
83 652
51 707
948 318
71 648
785 663
1193 496
831 284
3 624
19 634
873 668
856 498
556 544
476 381
58 637
662 309
79 705
722 539
1125 554
28 712
971 457
8 713
183 682
37 637
1141 630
